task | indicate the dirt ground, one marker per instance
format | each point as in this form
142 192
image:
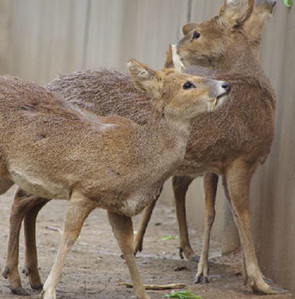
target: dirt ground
94 266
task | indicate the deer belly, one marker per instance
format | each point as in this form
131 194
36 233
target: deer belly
136 203
38 186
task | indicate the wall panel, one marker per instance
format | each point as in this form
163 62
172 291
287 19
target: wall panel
41 38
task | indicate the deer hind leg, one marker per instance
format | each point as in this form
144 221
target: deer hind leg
31 262
21 205
237 184
146 216
210 186
180 185
77 211
123 231
5 181
5 184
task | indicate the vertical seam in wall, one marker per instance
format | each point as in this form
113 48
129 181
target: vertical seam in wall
189 11
86 34
281 90
8 58
286 32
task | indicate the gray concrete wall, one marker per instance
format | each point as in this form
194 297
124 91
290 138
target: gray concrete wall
41 38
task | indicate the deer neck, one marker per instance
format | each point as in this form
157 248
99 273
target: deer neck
167 137
160 125
238 58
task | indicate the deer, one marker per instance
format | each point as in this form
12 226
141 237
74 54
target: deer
51 148
232 55
221 44
252 29
87 90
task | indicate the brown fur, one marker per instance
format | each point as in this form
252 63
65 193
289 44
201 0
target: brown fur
53 149
252 29
250 114
217 139
253 26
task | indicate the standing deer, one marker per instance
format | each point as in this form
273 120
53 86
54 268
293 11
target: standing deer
251 127
89 90
53 149
252 29
228 45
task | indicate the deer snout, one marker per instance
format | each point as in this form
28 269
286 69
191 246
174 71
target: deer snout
222 89
226 86
221 92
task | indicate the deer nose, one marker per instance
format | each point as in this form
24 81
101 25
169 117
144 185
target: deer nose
226 86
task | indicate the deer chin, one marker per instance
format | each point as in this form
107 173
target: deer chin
217 102
213 104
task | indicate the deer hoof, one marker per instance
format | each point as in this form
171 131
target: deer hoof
6 272
201 279
138 243
263 288
180 253
277 290
37 287
195 258
26 271
188 253
19 291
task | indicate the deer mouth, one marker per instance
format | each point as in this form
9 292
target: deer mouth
226 93
219 99
213 104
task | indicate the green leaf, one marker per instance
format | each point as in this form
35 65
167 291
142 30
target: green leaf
165 238
182 295
287 2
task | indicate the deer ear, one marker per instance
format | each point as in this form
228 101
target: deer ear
189 27
145 78
173 60
173 63
262 12
234 13
169 59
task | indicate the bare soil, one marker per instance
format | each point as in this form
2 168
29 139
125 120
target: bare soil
94 267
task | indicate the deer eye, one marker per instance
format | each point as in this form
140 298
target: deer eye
188 85
196 35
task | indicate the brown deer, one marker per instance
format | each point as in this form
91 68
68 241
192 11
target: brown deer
223 44
89 90
53 149
250 129
252 29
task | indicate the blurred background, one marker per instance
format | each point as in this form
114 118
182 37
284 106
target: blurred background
40 39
